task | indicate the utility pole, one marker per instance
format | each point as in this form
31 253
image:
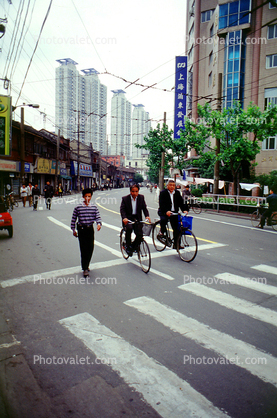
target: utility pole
22 147
78 154
161 176
217 142
57 159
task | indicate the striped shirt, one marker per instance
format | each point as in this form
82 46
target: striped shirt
86 215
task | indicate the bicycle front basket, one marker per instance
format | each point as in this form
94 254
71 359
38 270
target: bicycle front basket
186 222
147 229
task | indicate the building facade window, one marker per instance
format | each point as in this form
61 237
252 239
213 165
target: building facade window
271 6
206 16
272 31
234 13
234 68
271 61
212 31
211 58
269 143
210 79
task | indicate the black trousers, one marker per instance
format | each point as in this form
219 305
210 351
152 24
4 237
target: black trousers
137 228
267 214
86 242
174 223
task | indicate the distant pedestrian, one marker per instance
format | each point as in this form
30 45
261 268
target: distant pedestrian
23 194
35 196
48 194
85 214
60 190
29 193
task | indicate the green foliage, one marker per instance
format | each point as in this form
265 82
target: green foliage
161 140
269 180
138 178
232 128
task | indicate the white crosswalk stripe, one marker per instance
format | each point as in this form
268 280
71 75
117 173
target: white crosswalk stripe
232 302
265 268
221 343
169 395
258 284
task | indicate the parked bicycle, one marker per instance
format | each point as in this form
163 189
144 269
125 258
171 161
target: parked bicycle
186 243
256 218
10 201
142 251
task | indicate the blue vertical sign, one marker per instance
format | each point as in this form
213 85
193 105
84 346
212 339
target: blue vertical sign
180 94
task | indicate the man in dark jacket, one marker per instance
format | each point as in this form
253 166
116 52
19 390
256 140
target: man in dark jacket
170 201
272 207
131 208
48 194
35 195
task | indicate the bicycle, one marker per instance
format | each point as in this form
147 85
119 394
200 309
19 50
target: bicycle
143 251
195 206
187 245
256 218
10 202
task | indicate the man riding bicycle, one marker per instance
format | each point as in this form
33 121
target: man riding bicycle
170 201
272 203
131 208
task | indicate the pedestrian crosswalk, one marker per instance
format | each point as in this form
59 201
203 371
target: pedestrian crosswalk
164 390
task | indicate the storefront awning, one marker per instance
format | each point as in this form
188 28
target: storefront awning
65 177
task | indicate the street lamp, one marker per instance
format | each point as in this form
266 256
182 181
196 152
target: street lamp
22 142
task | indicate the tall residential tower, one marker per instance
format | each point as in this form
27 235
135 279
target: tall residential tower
81 104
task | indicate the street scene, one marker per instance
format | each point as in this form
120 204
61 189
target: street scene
138 209
185 339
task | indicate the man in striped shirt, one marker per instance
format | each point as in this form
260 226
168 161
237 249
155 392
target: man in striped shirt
86 213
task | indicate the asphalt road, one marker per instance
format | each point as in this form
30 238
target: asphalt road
187 339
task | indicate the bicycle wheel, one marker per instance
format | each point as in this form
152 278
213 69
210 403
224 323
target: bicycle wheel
187 246
144 256
123 244
274 221
256 218
15 203
158 243
196 208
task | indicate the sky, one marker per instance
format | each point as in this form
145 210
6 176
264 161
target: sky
129 39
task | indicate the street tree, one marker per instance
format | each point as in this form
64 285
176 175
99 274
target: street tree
238 132
161 140
138 178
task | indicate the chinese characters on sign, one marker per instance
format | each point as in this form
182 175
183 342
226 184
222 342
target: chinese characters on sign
180 94
5 125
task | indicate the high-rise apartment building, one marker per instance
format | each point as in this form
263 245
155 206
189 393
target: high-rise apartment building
81 105
120 125
140 127
237 39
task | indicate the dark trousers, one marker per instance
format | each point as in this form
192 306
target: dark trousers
174 223
267 214
137 228
35 201
48 201
86 242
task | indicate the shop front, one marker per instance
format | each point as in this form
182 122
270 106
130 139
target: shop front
85 174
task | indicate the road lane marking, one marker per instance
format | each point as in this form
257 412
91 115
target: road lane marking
212 339
58 273
248 282
167 393
232 302
265 268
